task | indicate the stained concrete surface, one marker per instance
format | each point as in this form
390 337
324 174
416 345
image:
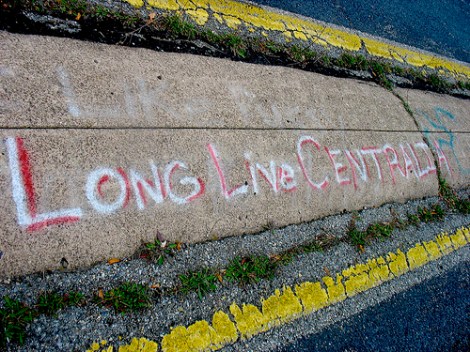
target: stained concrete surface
104 145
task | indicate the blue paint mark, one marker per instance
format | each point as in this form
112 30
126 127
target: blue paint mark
449 138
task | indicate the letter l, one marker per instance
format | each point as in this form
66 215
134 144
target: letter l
24 193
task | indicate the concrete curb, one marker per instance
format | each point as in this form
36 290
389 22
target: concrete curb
124 142
272 23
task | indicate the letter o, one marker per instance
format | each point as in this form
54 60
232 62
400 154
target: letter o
92 181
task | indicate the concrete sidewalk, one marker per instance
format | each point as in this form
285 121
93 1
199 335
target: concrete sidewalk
104 148
105 145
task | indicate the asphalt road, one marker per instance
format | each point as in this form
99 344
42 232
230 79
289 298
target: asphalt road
439 26
431 316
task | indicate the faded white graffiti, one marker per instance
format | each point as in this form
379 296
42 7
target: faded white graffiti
139 97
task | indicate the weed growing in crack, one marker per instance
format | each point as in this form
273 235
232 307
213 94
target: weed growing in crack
200 282
380 230
49 303
450 197
463 85
300 54
354 62
320 243
286 257
413 219
357 237
250 269
463 206
311 247
158 250
438 83
399 71
274 47
125 298
179 27
435 213
407 108
236 44
74 299
14 318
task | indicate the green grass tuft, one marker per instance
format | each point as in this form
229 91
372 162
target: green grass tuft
301 54
274 47
49 303
356 237
158 251
438 82
179 27
380 230
450 197
200 282
236 44
413 219
14 319
354 62
250 269
127 297
435 213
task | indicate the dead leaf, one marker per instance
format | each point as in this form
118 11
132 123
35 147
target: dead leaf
79 15
144 255
152 16
155 286
327 272
178 246
113 261
101 293
219 277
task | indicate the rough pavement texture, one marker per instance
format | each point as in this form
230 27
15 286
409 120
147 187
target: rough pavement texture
431 316
436 25
77 328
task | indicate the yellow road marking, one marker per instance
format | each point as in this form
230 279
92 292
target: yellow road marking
286 305
236 14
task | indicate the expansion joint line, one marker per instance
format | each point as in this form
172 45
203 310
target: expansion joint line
408 109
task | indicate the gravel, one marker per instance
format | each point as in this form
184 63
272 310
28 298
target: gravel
75 328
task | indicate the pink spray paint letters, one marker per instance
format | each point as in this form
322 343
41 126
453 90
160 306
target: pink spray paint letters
353 168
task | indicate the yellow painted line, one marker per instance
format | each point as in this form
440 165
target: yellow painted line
236 14
290 303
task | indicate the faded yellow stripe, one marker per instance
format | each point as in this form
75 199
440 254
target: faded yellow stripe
287 305
236 14
414 58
